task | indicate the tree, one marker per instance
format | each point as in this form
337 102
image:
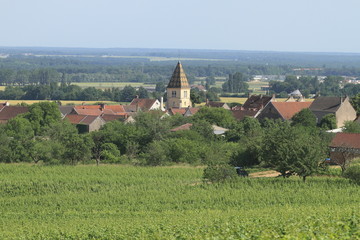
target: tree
142 93
217 116
328 122
351 127
160 87
304 118
355 101
293 150
127 94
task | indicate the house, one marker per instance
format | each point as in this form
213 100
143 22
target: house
65 110
217 104
9 112
146 104
282 110
98 110
186 112
339 106
257 102
85 123
344 147
241 114
178 89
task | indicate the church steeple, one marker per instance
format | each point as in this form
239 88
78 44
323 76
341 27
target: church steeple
178 79
178 89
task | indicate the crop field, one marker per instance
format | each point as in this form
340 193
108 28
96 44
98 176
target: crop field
106 85
126 202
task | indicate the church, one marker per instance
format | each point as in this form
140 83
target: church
178 89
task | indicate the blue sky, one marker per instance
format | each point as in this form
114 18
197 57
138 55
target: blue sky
271 25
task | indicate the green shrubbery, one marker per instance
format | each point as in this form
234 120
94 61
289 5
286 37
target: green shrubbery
353 173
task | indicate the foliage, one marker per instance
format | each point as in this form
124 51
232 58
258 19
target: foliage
217 116
236 83
219 173
353 173
355 102
328 122
351 127
304 118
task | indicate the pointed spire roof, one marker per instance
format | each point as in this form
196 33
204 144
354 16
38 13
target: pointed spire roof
178 79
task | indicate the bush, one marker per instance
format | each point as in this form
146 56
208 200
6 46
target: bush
219 173
353 173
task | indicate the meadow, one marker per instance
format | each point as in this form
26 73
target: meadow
127 202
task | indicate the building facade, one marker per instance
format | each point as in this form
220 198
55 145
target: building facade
178 89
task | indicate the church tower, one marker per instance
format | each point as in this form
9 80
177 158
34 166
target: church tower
178 89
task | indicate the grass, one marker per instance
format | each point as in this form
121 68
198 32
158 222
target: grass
125 202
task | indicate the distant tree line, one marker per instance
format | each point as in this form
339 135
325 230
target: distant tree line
330 86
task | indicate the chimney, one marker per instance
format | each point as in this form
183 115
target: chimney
162 104
102 106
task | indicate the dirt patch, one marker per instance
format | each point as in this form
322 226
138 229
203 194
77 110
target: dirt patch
269 173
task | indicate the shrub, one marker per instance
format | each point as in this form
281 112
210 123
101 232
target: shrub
219 173
353 173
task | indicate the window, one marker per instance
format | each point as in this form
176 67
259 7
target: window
173 94
185 94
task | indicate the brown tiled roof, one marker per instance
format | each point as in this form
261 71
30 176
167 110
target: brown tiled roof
115 108
9 112
180 111
93 112
81 119
108 118
178 79
256 102
186 126
143 103
329 104
66 109
241 114
289 109
130 108
194 110
347 140
200 87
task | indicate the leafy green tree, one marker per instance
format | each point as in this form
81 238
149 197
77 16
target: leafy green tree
203 128
217 116
328 122
351 127
293 150
304 118
127 94
355 101
142 93
160 87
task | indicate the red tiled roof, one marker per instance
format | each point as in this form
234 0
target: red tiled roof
91 111
215 104
143 103
256 102
289 109
180 111
194 110
9 112
347 140
115 108
186 126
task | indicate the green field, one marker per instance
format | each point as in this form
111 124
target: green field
105 85
125 202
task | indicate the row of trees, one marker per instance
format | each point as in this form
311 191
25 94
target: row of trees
330 86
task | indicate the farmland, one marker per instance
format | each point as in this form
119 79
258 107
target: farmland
126 202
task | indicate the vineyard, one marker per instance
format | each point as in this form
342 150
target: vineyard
126 202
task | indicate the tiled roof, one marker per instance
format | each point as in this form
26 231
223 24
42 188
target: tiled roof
143 103
66 109
256 102
347 140
180 111
194 110
93 112
178 79
115 108
241 114
81 119
329 104
289 109
186 126
9 112
108 118
130 108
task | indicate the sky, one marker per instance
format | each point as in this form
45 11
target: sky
264 25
